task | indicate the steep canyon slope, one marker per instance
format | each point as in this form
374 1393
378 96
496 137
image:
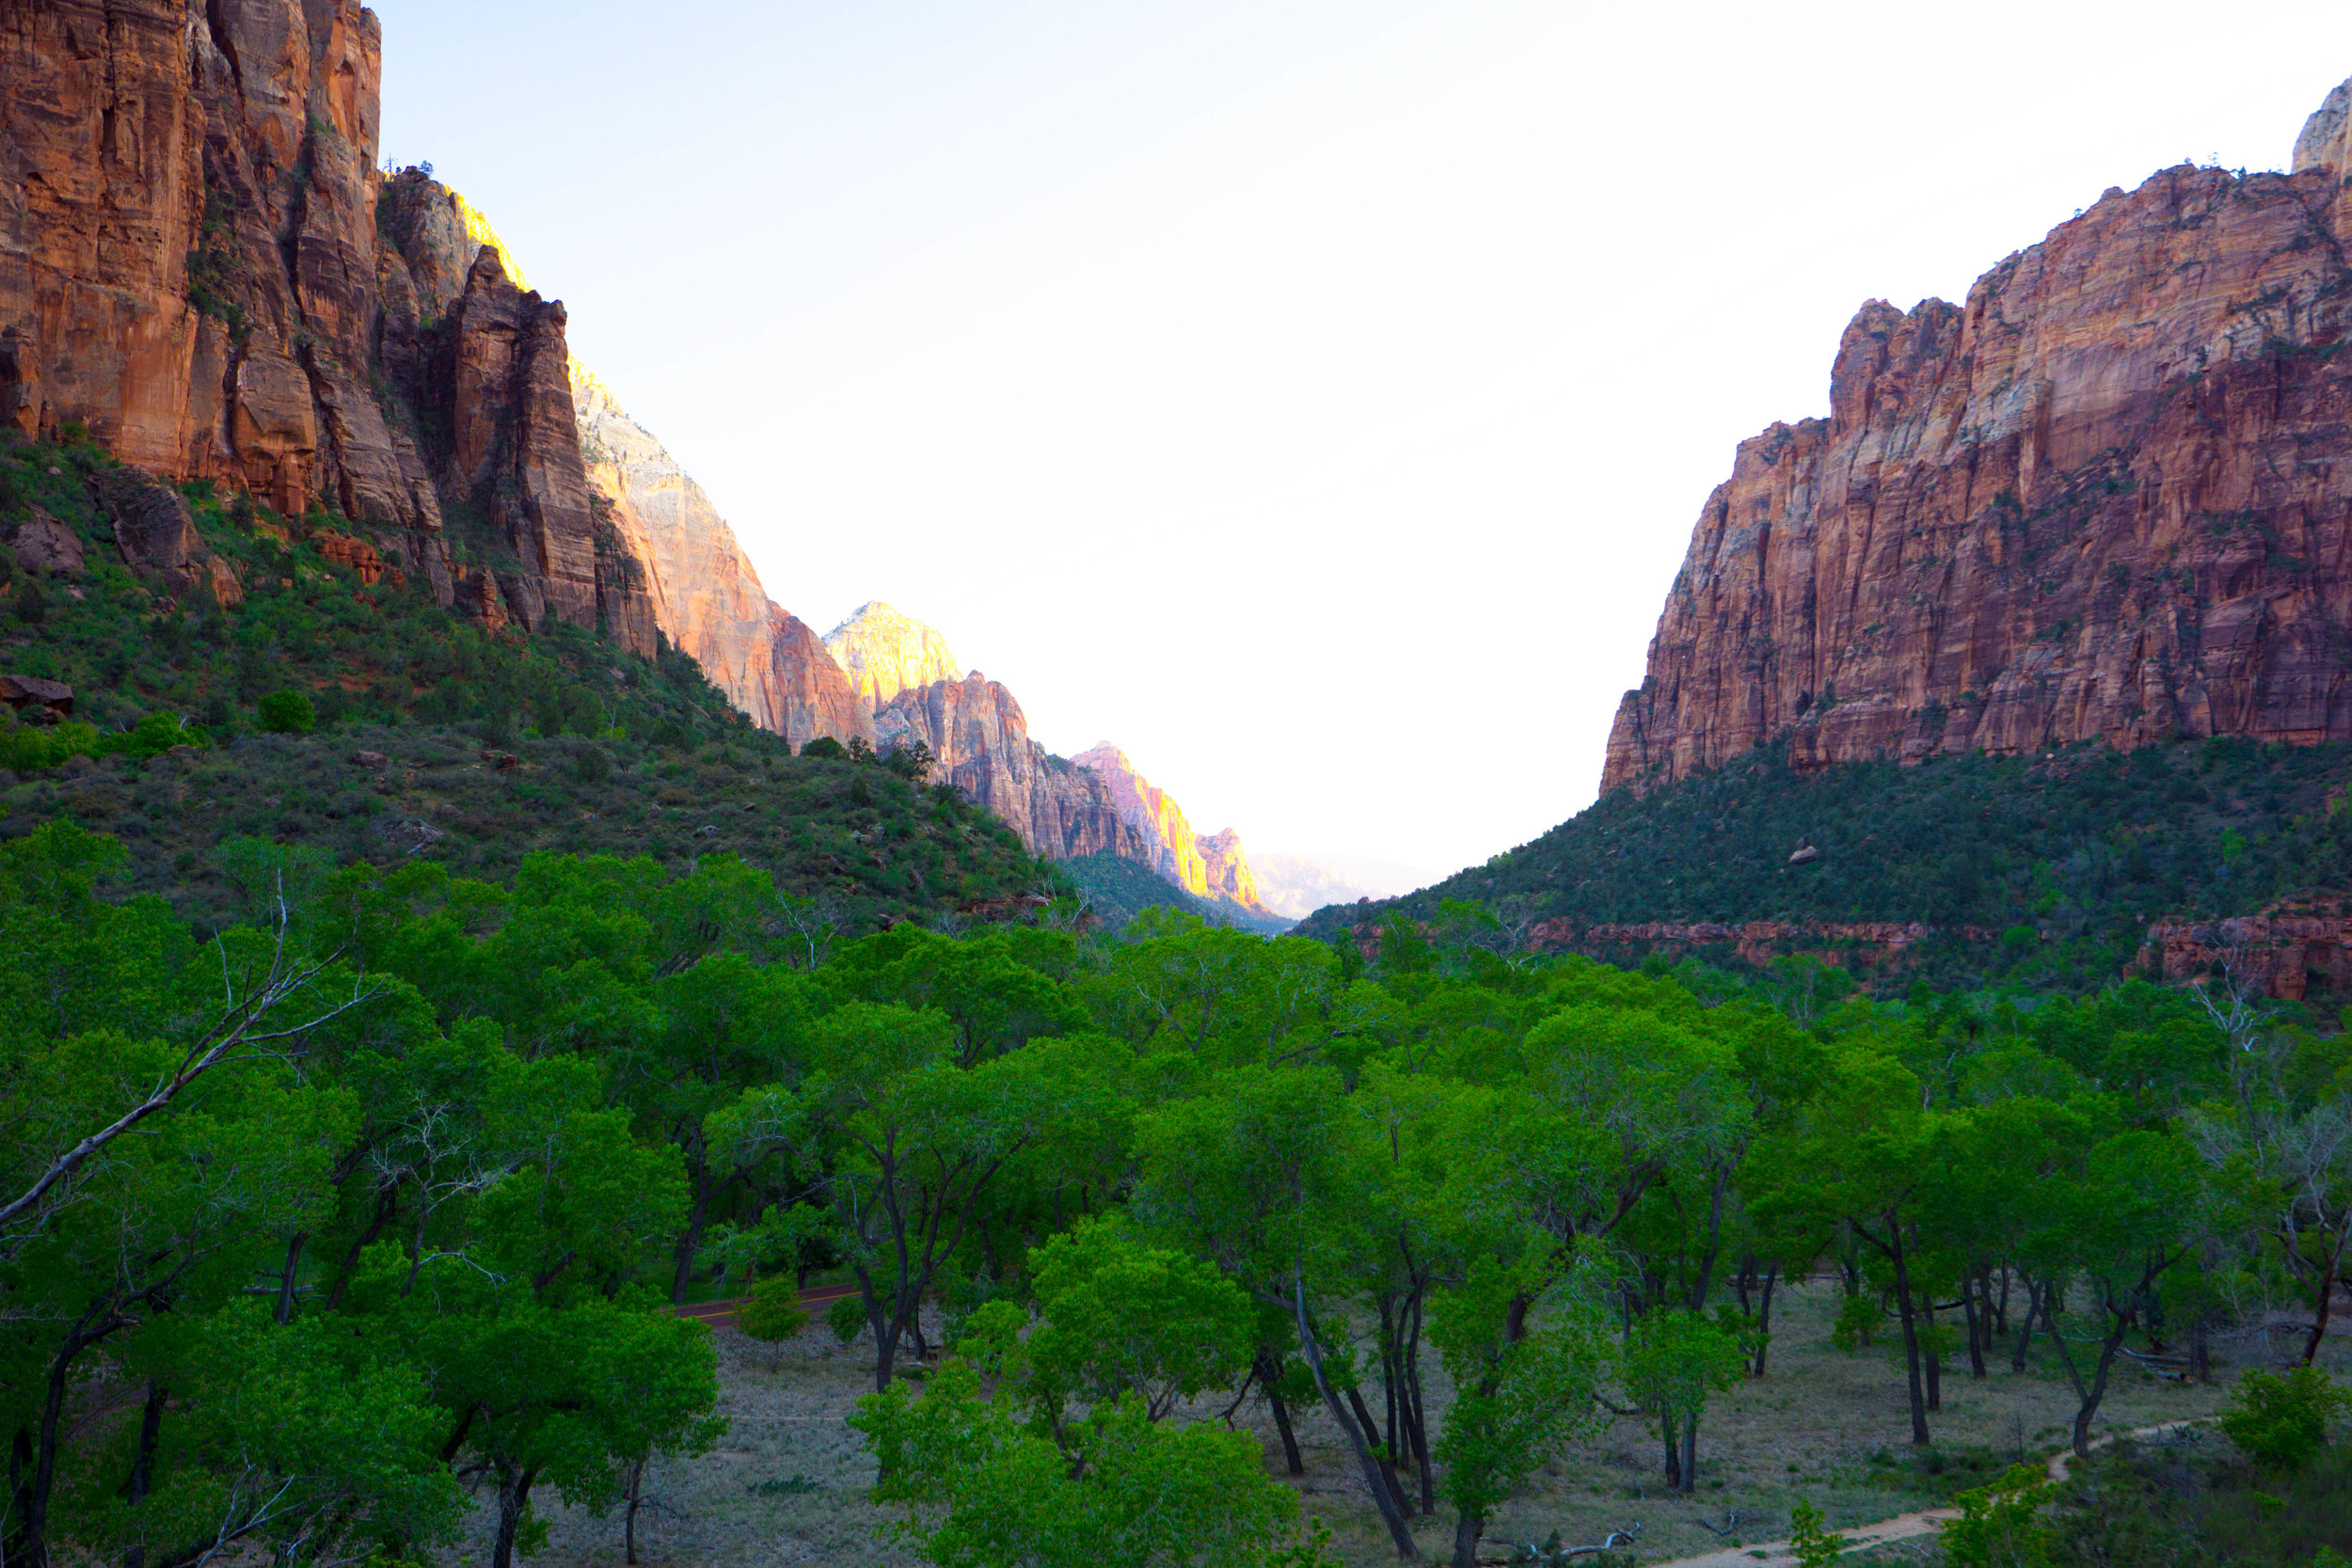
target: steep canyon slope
202 265
706 594
2109 498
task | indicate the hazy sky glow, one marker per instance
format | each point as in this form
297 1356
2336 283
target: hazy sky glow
1314 398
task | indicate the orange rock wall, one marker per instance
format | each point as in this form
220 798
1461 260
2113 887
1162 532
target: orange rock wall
2282 952
2109 496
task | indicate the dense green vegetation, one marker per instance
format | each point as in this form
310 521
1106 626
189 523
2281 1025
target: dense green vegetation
399 1019
2081 848
370 724
418 1157
1120 889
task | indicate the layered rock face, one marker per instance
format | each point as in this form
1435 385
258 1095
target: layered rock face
885 653
979 741
703 590
188 247
192 265
2109 498
1212 866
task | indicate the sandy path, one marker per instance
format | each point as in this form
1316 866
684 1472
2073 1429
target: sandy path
1902 1527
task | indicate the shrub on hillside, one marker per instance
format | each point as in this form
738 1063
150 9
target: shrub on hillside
288 713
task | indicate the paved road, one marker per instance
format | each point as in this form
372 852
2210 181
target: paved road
720 1314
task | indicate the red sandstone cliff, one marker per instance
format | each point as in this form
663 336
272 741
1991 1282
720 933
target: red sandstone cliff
1212 866
2110 496
979 742
192 265
704 592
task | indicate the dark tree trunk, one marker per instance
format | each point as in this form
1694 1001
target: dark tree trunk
514 1497
2000 1311
1714 1241
2024 1327
1975 1327
2200 1349
1673 1450
286 1276
2089 1393
1387 1457
1911 1336
1690 1456
2325 1303
143 1465
1374 1480
387 1205
1270 1375
690 1240
1468 1529
1417 1417
629 1519
1764 1317
1931 1362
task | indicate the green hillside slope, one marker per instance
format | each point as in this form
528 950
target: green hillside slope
428 735
2079 848
1120 889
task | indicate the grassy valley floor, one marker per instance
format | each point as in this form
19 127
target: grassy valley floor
787 1482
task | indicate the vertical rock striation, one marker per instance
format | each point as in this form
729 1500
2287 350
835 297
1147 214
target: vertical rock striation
979 741
2110 498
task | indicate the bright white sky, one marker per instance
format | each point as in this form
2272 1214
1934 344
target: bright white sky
1312 396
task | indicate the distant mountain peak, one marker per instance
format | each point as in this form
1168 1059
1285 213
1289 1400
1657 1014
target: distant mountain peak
1212 865
885 652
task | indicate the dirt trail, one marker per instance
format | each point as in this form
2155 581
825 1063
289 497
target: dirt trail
720 1314
1902 1527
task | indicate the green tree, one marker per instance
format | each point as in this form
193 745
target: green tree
288 713
983 1492
1122 1320
1673 1360
2281 1424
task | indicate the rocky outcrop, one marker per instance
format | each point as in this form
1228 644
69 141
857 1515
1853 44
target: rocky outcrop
153 528
701 588
885 653
1177 853
2289 950
2110 496
1227 870
42 544
979 741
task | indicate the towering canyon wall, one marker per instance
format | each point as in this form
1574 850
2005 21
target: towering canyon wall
979 741
201 263
883 653
2110 498
192 265
1212 865
705 593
